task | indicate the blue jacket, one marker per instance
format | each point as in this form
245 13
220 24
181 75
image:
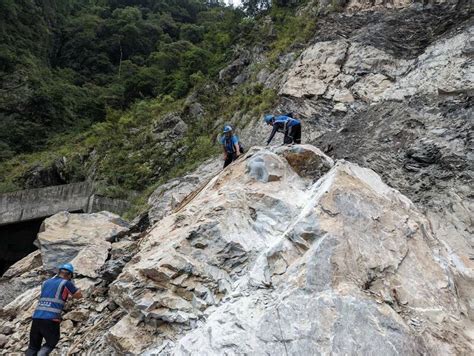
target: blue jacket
281 124
229 143
54 293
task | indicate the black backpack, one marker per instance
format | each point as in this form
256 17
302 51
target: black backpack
241 147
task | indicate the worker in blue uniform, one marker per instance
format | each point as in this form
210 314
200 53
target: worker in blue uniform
231 146
289 126
47 315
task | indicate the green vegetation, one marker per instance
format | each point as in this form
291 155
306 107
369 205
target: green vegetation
64 63
107 86
291 30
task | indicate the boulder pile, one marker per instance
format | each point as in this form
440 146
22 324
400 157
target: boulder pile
283 252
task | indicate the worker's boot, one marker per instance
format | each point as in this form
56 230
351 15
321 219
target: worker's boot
31 352
45 351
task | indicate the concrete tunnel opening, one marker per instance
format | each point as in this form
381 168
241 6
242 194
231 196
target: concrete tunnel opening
17 241
22 213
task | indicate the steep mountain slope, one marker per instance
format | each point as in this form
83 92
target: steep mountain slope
393 91
284 252
65 64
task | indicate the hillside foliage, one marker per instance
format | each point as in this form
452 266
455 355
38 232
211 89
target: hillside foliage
92 82
65 62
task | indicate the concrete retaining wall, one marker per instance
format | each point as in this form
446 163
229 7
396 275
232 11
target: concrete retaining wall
42 202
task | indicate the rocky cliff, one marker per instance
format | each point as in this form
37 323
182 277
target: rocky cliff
392 90
284 252
362 247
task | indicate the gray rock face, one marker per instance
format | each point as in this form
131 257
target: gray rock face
233 70
287 265
39 177
82 239
392 91
333 282
342 70
171 194
354 6
169 128
444 68
316 68
282 252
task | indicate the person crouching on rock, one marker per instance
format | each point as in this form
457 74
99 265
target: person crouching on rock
290 127
47 316
231 146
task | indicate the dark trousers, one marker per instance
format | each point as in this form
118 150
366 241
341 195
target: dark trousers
43 329
293 135
230 158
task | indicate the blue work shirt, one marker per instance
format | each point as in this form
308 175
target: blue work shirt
229 143
54 293
281 124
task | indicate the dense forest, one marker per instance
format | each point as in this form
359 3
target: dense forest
91 83
64 62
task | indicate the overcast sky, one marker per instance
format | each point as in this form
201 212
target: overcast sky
235 2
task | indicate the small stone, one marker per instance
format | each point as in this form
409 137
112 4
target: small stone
3 340
112 306
76 315
66 326
100 308
6 330
340 107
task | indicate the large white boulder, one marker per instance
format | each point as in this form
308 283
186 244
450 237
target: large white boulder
82 239
357 268
269 258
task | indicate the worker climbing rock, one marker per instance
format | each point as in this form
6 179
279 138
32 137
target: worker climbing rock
231 146
47 316
289 126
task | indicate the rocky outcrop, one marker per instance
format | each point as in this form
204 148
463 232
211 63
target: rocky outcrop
284 252
288 251
39 176
169 128
356 285
82 239
170 195
445 68
354 6
345 69
392 91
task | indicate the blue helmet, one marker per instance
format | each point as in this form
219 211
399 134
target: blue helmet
68 267
227 128
268 118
